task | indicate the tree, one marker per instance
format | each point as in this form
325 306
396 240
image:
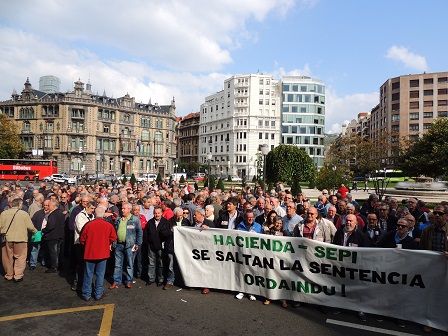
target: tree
288 163
220 184
182 179
427 156
124 180
158 178
190 167
133 180
211 183
10 145
295 188
330 177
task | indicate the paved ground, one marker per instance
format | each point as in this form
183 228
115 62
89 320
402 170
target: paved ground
43 304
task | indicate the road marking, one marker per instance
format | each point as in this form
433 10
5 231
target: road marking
106 322
373 329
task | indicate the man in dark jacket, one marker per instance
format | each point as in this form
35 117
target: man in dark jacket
231 218
372 230
54 234
36 251
399 238
167 233
153 230
348 235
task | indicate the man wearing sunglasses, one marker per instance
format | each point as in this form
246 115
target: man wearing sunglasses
399 237
435 237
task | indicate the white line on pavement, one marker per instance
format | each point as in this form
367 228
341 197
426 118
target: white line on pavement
367 328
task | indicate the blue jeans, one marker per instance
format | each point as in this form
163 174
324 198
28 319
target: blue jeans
34 255
97 267
170 278
123 254
155 265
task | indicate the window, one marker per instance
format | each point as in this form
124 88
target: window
145 135
396 96
272 136
395 107
260 135
427 114
428 81
428 103
442 92
442 80
426 126
413 116
442 114
273 123
395 86
414 105
428 92
26 113
413 127
260 101
158 136
414 83
414 94
442 103
395 117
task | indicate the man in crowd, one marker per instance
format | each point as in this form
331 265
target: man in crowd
291 219
231 218
130 236
16 224
86 215
97 238
36 205
386 221
153 231
53 234
143 248
372 230
36 246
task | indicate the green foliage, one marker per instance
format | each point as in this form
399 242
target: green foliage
125 179
254 179
229 179
158 178
133 180
206 182
295 188
261 183
331 177
427 156
211 183
10 145
220 185
182 179
190 167
288 163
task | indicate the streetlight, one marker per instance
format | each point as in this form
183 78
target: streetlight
98 158
209 158
264 151
121 164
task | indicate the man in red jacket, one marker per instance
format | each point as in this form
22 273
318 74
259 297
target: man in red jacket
97 237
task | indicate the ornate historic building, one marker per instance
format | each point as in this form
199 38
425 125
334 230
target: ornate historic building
188 138
88 133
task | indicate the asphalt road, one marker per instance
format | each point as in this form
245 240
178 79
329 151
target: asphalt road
43 304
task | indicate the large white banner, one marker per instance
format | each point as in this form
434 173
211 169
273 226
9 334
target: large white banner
404 284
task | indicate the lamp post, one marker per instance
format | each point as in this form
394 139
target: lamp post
264 151
334 178
121 164
209 159
98 158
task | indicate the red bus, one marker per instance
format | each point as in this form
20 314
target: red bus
26 169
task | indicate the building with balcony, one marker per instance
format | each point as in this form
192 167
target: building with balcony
235 121
188 138
88 133
408 106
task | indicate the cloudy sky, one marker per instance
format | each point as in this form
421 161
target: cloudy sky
159 49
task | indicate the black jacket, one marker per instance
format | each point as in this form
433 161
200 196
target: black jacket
357 238
389 241
154 234
38 218
168 235
379 233
55 226
225 218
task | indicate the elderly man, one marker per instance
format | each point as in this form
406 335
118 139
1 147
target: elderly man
36 250
348 235
313 227
16 223
291 219
372 230
435 237
259 207
386 221
276 207
97 238
399 237
36 205
321 205
168 236
130 237
419 215
154 233
86 215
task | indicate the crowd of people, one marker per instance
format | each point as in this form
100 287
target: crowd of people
126 231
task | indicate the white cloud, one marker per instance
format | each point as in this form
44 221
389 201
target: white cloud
340 110
280 72
408 58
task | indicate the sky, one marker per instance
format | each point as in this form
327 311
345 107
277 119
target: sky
156 50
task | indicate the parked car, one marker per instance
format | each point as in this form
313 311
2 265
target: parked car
236 178
60 178
199 177
121 177
147 178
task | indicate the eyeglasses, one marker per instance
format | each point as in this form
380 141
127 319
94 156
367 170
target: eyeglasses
311 214
186 213
400 226
439 213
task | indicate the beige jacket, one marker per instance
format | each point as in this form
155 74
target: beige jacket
18 232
